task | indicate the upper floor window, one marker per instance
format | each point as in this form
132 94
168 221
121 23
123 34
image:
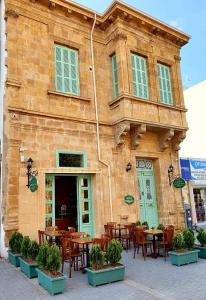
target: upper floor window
165 84
139 75
66 70
71 159
114 75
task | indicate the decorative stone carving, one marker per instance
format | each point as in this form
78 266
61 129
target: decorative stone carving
51 5
119 35
165 138
177 139
177 57
11 13
136 134
121 131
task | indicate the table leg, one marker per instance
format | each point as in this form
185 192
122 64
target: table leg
87 255
154 247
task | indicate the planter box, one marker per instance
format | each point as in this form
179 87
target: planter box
28 269
202 251
52 285
183 258
14 258
103 276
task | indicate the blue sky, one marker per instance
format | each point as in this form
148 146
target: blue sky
186 15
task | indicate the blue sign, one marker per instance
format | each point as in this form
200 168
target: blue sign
185 169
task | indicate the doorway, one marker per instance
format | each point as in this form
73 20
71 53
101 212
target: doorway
147 192
68 202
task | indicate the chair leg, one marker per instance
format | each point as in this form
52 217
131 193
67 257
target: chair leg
134 251
62 265
70 267
144 252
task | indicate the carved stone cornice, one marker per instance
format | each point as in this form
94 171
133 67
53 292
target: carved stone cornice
119 34
10 12
121 131
52 5
177 139
136 134
165 138
177 57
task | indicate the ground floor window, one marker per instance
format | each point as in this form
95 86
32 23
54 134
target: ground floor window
200 203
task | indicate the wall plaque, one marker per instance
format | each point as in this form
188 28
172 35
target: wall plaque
129 199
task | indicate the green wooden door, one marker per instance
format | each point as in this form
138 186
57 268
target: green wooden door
49 200
85 209
147 192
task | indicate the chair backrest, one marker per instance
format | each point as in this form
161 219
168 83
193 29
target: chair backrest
102 242
168 234
139 236
41 236
67 247
66 234
111 224
76 235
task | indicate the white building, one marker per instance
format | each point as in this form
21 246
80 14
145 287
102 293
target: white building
193 148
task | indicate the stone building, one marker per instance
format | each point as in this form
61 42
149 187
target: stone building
95 100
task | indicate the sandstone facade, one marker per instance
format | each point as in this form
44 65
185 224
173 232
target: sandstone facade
41 120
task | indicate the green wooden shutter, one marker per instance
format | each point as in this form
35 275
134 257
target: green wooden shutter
66 70
165 84
139 74
114 75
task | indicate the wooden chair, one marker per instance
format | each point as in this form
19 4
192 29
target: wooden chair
71 229
76 235
128 236
41 237
166 243
140 241
102 242
111 223
70 254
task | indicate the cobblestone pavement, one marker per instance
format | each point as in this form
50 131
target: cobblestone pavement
145 280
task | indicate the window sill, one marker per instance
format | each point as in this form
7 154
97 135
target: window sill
68 96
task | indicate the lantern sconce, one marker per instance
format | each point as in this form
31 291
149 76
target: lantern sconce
171 174
30 172
129 167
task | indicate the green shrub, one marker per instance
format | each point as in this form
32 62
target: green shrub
201 237
160 227
138 223
15 242
96 257
178 242
145 224
33 250
114 251
25 246
189 238
53 259
42 256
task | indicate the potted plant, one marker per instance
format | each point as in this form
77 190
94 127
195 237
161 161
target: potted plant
145 223
160 227
105 268
138 223
29 251
183 249
49 261
201 237
15 248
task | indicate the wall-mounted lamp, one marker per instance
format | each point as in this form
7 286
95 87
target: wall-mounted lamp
171 174
30 173
129 167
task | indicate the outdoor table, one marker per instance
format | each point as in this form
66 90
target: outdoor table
84 241
54 234
154 233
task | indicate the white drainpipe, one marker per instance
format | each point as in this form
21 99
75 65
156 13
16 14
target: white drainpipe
97 122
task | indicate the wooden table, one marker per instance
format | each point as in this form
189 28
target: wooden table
84 241
55 235
154 233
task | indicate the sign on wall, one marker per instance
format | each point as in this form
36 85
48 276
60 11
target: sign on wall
178 183
129 199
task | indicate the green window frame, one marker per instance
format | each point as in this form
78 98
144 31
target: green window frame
165 86
82 154
114 75
66 70
140 77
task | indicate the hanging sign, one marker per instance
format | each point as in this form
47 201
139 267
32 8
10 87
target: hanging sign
179 183
33 184
129 199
